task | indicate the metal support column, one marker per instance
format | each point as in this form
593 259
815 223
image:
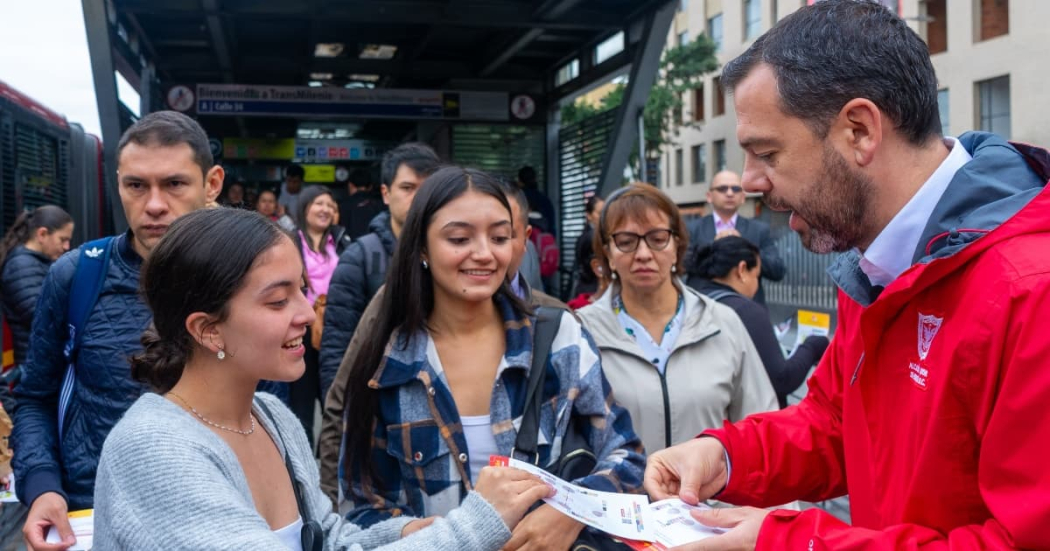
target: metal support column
644 70
96 23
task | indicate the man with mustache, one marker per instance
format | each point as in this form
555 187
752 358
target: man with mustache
929 407
164 170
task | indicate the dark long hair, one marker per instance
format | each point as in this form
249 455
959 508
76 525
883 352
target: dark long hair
723 255
47 216
407 301
306 199
199 264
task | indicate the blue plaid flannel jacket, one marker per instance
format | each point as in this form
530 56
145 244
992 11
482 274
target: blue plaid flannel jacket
419 450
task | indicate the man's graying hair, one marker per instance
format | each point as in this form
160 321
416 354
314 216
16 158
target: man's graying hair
829 53
166 129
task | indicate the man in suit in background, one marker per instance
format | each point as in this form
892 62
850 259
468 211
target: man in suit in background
725 197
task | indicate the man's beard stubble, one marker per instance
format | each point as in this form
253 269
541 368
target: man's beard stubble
836 207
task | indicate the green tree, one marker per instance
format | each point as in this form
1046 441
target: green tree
682 68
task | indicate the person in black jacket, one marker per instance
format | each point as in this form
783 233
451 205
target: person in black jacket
36 239
362 268
729 270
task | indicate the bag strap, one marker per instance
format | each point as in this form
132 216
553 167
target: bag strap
719 294
547 321
87 284
287 462
312 535
88 278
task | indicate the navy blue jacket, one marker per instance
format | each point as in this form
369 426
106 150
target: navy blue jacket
354 283
23 275
104 389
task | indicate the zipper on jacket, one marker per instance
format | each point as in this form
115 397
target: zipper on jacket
856 370
667 406
667 395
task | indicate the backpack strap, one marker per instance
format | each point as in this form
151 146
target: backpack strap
87 284
547 322
375 259
719 294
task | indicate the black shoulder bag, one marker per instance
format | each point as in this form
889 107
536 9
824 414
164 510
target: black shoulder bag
312 536
577 458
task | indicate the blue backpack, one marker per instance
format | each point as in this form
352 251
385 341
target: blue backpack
87 284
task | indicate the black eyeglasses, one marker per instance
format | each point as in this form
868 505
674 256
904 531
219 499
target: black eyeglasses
656 240
725 189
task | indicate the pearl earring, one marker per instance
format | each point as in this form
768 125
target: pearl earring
425 265
221 355
674 268
614 276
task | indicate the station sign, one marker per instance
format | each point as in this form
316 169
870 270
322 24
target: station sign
329 102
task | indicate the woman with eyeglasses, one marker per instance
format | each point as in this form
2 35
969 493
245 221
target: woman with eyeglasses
677 360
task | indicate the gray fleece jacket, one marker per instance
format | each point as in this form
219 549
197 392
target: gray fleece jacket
165 481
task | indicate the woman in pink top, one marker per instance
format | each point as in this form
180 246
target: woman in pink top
321 241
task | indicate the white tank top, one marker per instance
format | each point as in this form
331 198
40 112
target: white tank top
477 429
291 535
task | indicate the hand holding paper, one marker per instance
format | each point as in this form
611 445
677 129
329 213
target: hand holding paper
692 471
742 523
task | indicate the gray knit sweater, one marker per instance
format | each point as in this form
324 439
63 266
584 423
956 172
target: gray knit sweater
165 481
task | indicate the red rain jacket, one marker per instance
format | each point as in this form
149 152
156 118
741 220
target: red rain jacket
931 408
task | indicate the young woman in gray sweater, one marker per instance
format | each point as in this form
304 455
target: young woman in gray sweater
205 463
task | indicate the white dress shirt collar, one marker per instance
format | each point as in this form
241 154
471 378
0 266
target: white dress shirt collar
892 250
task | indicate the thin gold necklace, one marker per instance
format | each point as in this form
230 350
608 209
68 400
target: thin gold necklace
216 425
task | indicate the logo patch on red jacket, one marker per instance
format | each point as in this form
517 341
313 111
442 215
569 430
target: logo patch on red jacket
928 327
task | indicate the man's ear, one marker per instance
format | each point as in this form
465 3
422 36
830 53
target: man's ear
528 231
213 183
385 191
859 127
202 328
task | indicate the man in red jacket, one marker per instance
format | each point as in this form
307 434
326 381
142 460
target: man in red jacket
929 408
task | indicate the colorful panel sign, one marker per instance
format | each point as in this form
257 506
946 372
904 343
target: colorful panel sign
255 148
319 174
340 150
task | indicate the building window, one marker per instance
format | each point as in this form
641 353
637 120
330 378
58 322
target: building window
608 48
683 5
666 176
699 163
720 155
678 168
773 16
936 26
719 98
752 18
683 38
992 18
567 72
698 103
714 30
942 108
993 98
679 112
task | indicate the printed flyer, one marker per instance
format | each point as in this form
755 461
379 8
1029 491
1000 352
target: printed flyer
642 525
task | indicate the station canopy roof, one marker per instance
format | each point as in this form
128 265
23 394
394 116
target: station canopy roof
512 45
